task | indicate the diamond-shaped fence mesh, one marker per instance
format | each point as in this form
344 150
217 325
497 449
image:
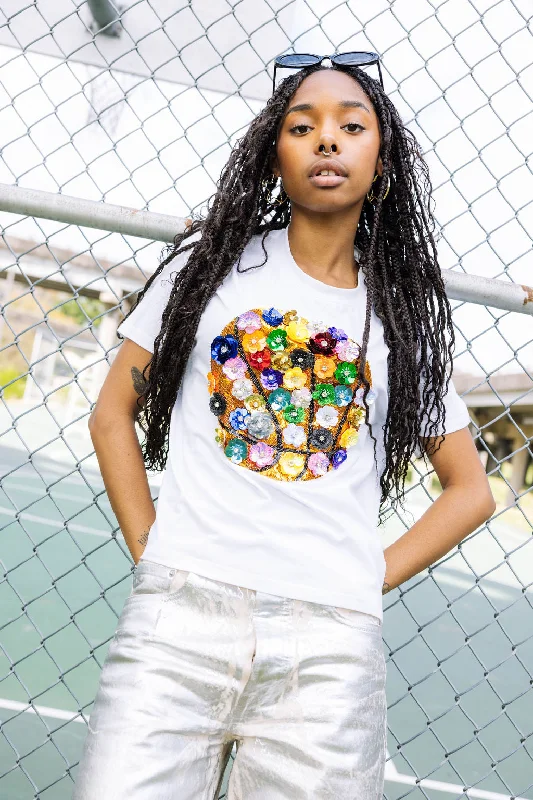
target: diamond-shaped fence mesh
138 105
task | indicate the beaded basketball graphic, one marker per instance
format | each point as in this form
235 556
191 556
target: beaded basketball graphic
287 394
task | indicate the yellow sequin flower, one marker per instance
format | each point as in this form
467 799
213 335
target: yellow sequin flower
294 378
355 415
349 437
324 367
281 361
297 331
254 403
291 463
290 316
254 342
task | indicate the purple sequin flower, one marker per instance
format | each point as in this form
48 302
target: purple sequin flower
338 333
249 322
271 378
338 457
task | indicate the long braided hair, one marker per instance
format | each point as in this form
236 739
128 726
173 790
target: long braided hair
399 261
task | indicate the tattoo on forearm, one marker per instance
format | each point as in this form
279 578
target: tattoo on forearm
386 588
139 383
144 537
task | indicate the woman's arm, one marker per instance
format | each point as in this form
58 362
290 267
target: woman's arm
112 429
465 502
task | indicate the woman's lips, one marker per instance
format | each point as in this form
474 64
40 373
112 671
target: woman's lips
327 180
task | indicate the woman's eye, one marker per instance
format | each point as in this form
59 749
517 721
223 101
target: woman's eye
348 125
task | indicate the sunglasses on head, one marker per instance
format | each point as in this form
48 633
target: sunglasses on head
300 60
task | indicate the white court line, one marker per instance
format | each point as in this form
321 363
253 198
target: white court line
56 495
26 472
55 523
45 711
391 773
450 788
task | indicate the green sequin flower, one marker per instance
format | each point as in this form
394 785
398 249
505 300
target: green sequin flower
346 372
277 339
294 414
324 393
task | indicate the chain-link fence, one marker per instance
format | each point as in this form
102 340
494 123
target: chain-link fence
138 105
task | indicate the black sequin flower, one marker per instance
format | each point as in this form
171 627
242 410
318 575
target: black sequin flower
302 358
321 439
217 403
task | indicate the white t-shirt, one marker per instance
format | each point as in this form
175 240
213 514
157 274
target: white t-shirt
270 481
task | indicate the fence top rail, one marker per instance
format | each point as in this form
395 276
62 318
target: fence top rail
501 294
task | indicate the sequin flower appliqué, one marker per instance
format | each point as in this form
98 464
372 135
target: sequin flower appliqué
287 394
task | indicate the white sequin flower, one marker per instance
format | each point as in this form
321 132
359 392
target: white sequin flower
327 416
294 434
316 326
301 398
371 396
242 388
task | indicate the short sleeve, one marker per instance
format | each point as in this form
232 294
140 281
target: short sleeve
456 416
144 323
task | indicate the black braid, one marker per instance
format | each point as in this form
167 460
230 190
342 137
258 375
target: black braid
399 260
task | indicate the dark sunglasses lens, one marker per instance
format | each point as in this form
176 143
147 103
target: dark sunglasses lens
356 58
296 60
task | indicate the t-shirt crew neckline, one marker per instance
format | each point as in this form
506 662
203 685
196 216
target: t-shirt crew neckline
335 292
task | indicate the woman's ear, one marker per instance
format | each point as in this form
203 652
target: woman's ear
379 166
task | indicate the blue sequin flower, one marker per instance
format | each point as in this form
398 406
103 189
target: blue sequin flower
223 347
238 419
272 317
271 378
343 395
279 399
338 457
338 333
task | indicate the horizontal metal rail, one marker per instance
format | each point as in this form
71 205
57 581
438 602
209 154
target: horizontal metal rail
163 228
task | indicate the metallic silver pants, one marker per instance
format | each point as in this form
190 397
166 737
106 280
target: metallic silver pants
197 664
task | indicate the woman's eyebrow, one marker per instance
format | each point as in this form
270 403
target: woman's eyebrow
341 104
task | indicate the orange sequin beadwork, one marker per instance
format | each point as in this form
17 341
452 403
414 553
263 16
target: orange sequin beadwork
286 393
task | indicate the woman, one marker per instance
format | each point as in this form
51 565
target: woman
286 360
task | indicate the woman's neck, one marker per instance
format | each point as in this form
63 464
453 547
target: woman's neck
326 256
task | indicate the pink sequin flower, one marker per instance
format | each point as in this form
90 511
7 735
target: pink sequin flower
261 454
318 463
249 322
347 350
235 368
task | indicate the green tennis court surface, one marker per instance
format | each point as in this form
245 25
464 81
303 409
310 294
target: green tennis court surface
459 684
